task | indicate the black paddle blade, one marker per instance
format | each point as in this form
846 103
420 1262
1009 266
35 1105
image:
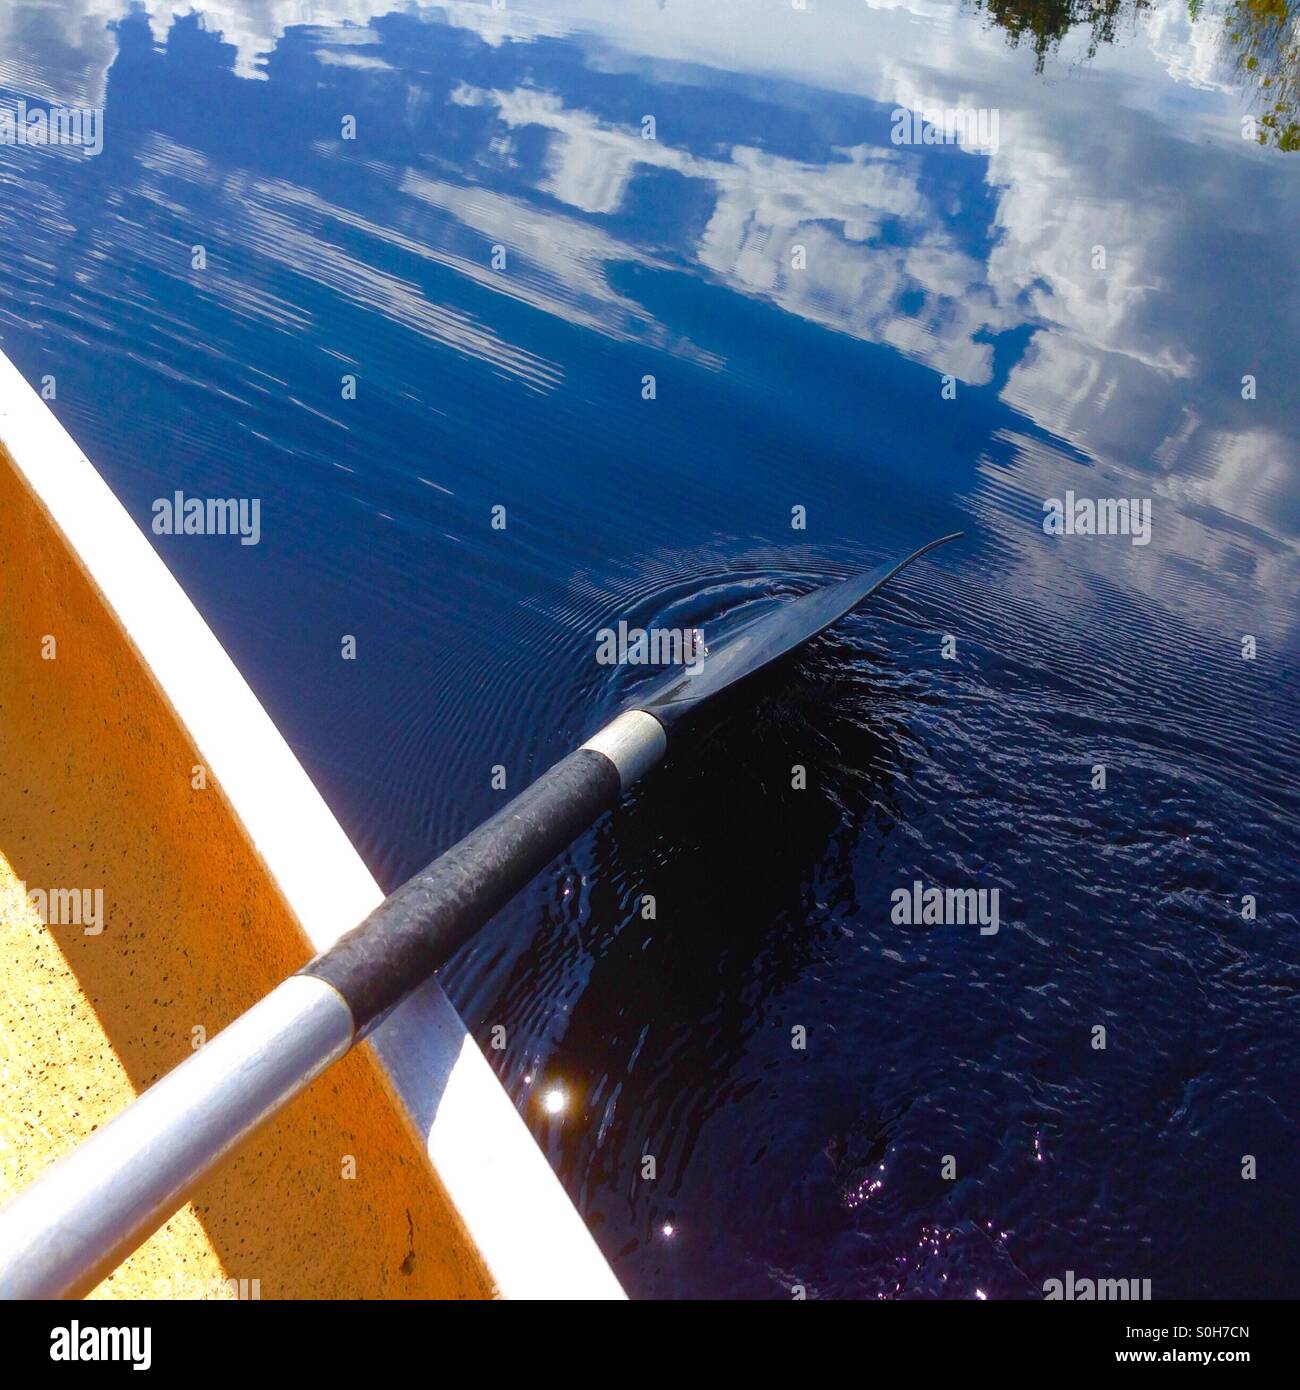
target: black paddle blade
768 637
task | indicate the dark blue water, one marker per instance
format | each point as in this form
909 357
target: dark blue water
520 385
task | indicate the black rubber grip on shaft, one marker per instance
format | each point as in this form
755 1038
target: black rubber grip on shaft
419 928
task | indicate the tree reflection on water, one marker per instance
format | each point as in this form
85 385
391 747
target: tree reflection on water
1261 39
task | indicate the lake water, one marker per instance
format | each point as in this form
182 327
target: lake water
441 253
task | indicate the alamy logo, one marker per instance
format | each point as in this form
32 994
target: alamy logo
1098 1290
949 907
82 126
57 907
932 123
656 646
179 515
1101 516
77 1343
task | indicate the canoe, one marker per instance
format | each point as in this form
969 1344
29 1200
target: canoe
164 862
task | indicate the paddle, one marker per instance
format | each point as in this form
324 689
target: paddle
64 1232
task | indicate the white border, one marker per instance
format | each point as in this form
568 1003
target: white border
528 1233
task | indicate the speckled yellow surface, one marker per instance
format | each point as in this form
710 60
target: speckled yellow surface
95 792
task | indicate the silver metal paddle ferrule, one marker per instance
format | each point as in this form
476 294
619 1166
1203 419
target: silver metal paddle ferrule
633 742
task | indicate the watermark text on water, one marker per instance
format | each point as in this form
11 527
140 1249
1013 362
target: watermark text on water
1099 516
179 515
655 646
933 123
951 907
80 126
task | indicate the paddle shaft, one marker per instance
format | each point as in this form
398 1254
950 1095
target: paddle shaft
70 1227
74 1224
